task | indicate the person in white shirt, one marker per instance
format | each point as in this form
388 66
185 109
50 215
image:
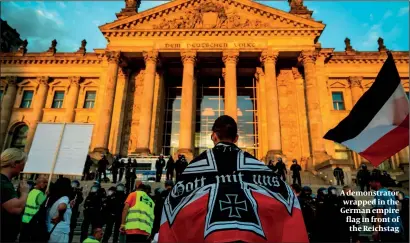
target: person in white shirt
59 211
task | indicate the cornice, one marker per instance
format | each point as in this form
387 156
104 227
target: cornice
58 58
367 57
312 32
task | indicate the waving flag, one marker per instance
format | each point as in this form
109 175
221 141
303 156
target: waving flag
226 195
378 125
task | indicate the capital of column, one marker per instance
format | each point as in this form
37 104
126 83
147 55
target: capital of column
269 56
230 56
355 82
150 56
113 57
43 80
74 80
307 57
188 57
223 73
11 80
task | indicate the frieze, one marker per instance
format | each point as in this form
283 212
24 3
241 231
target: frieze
215 32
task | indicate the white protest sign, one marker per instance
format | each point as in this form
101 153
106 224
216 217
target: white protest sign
64 146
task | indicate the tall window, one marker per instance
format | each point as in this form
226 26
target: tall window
58 99
172 116
247 119
89 99
408 95
209 106
19 138
338 102
27 99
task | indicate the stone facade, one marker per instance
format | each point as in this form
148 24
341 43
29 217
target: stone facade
295 78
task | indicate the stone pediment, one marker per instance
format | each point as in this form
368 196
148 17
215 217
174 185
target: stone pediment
208 15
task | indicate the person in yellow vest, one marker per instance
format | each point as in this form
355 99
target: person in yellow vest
34 200
138 216
96 237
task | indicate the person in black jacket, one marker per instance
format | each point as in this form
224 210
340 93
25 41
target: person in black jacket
87 167
121 167
295 168
75 213
339 175
170 168
109 210
130 177
102 168
114 169
160 196
363 176
92 211
271 166
178 167
159 166
281 167
184 163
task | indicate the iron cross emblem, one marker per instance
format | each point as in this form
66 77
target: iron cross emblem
233 205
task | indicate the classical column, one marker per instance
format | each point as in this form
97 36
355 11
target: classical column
186 127
268 59
37 113
301 110
7 107
150 59
356 88
230 58
107 103
263 140
313 107
119 110
72 98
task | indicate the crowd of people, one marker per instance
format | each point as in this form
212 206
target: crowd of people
239 183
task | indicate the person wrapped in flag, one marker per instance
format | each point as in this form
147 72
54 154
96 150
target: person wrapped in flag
226 195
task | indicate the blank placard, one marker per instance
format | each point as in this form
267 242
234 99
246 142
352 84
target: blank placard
74 149
43 148
74 146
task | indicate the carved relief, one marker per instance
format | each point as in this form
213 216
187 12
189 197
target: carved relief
74 80
210 15
43 80
113 56
11 80
355 82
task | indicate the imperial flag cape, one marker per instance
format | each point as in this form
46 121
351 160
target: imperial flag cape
226 195
378 125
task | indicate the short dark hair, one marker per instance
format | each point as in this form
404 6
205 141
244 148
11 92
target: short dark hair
296 187
225 128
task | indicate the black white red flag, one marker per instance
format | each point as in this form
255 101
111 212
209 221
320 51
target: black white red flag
378 125
226 195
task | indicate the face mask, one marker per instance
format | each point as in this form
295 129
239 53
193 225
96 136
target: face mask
110 193
94 189
120 189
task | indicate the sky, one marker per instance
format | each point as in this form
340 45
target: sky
69 22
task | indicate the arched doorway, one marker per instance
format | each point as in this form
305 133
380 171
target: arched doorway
19 136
